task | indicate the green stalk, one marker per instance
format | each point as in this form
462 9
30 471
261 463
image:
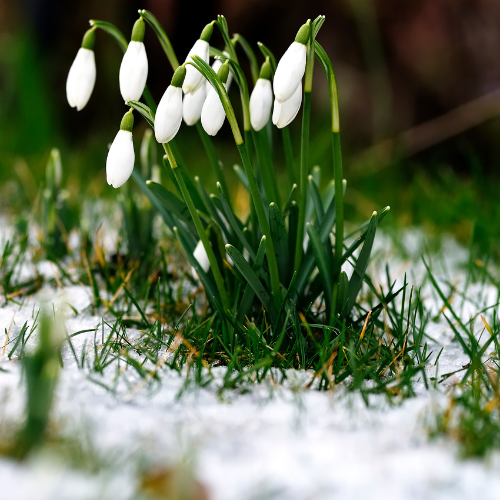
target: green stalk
302 186
304 154
287 144
209 73
339 195
219 280
212 157
263 222
264 157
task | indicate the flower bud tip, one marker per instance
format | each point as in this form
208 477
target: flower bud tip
138 30
304 33
89 39
179 76
127 121
206 34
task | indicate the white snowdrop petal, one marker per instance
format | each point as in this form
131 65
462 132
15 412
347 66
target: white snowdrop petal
121 158
168 117
212 113
290 71
192 105
261 102
81 79
201 256
194 78
133 72
285 112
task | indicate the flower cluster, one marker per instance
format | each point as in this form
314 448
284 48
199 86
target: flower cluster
189 97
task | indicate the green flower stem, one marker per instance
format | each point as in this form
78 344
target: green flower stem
162 37
339 195
219 280
304 154
255 195
302 186
120 39
254 66
287 144
212 157
264 157
263 222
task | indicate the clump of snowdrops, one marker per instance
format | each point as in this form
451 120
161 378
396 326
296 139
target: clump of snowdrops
284 260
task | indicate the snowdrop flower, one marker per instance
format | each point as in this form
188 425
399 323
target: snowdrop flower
194 79
134 67
192 105
169 113
212 113
121 156
285 112
200 254
292 66
216 66
81 76
261 99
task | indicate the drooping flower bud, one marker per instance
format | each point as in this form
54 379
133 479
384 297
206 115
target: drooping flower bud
81 76
194 78
261 99
216 66
212 113
292 66
134 67
168 117
121 155
285 112
192 105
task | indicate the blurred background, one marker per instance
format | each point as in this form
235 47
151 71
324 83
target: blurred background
419 86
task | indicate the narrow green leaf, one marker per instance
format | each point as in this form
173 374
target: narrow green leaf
208 283
162 37
173 204
267 53
248 273
323 263
144 110
278 233
242 176
248 294
112 30
361 264
231 219
343 295
254 66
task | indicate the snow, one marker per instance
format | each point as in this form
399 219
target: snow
279 442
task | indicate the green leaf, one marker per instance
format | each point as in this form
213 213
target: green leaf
355 245
316 25
231 219
144 110
323 263
361 264
212 210
250 276
267 53
162 37
112 30
248 294
343 295
173 204
209 285
278 234
316 198
293 224
242 176
254 66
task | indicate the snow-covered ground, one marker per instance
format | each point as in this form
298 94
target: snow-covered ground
275 442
